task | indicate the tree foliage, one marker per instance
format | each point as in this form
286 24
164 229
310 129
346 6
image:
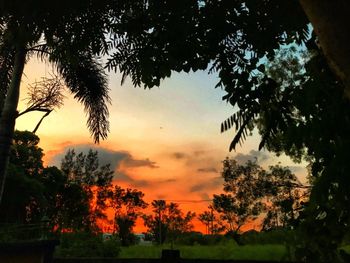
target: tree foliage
127 205
212 223
168 221
91 182
252 193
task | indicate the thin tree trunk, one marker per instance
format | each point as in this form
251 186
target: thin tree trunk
9 114
331 22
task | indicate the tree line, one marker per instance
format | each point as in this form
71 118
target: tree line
77 197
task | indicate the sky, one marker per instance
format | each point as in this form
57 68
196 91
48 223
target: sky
165 141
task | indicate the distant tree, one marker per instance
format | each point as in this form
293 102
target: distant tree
207 218
168 221
285 195
252 192
212 223
156 224
244 199
127 205
92 182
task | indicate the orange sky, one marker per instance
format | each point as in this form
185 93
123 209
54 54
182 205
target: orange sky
165 141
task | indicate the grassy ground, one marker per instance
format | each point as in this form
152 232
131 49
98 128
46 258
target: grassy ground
227 251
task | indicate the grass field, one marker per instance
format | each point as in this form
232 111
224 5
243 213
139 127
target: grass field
226 251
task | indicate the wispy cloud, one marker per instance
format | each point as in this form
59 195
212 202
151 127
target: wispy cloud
131 162
207 170
210 184
106 156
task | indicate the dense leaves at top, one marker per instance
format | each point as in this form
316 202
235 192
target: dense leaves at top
146 40
188 35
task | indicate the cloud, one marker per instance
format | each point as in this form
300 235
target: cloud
120 176
197 187
179 155
106 156
207 185
260 156
205 196
140 183
171 180
130 162
198 153
207 170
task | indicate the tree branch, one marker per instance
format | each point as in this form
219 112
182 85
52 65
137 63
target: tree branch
42 118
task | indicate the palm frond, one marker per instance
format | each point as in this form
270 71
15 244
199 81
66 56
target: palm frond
86 79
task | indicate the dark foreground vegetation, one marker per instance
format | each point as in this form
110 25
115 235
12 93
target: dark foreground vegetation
283 64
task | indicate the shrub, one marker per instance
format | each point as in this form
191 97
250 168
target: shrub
277 236
196 238
87 245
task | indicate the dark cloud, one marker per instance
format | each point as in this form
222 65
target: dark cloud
130 162
120 176
198 153
210 184
198 188
179 155
106 156
140 183
260 156
207 170
171 180
205 196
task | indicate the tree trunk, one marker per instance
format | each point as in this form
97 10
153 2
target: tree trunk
331 22
9 114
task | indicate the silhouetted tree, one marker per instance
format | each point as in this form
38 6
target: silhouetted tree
91 182
168 221
212 223
25 193
252 192
127 205
244 199
285 195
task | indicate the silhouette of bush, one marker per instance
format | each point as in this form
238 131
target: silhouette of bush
277 236
87 245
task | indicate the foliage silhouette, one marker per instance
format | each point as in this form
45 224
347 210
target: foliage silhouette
251 192
127 205
168 221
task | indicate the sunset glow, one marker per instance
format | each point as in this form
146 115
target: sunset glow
165 142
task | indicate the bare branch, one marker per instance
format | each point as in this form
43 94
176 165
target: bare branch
42 118
44 95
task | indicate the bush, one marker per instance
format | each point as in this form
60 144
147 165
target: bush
277 236
196 238
87 245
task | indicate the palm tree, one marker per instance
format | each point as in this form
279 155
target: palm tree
69 36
